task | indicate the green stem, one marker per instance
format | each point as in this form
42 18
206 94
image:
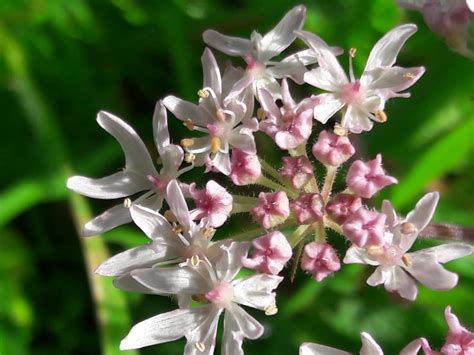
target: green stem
298 235
248 235
264 181
328 182
270 170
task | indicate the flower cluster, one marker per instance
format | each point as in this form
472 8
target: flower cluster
295 209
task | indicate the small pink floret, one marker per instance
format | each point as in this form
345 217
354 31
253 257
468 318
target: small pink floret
352 93
270 253
331 149
320 260
342 206
297 170
245 168
367 178
272 209
308 208
365 228
459 340
221 295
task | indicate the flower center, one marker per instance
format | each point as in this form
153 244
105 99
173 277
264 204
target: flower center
387 255
352 93
221 295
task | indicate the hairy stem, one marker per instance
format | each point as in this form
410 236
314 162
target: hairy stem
450 232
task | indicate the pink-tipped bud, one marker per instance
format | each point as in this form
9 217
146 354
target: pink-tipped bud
272 209
367 178
245 168
320 260
297 170
365 228
342 205
331 149
459 340
213 204
270 253
308 208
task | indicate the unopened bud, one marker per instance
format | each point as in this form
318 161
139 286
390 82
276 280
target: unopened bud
203 93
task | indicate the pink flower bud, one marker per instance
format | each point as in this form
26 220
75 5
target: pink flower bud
341 206
270 253
298 170
213 204
459 340
245 168
308 208
320 260
331 149
364 227
272 209
367 178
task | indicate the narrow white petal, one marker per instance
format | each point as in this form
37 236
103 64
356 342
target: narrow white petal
111 218
177 204
185 110
283 34
387 82
430 273
211 73
327 107
172 280
137 157
202 339
385 51
316 349
290 69
369 345
163 328
389 211
269 84
322 79
233 46
268 104
127 283
412 4
256 291
379 276
356 255
153 224
445 252
238 88
160 127
423 211
357 120
221 161
243 142
401 283
118 185
228 265
172 157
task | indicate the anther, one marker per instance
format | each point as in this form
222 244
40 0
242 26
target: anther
189 157
195 260
375 250
406 260
200 346
208 232
407 228
189 124
127 203
220 115
409 76
352 52
261 115
187 142
159 161
199 297
215 144
203 93
271 310
381 116
170 217
339 130
177 229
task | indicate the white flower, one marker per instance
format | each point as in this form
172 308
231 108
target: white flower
261 72
397 268
139 173
227 124
215 284
364 98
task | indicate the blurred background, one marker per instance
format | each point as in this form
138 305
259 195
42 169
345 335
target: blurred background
61 61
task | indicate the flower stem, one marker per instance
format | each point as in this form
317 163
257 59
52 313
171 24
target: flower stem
448 232
296 260
328 182
264 181
270 170
248 235
298 235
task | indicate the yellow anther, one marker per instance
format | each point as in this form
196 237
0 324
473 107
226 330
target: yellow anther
261 115
170 217
127 203
339 130
406 260
271 310
409 76
407 228
189 124
195 260
215 144
187 142
352 52
220 115
159 161
208 232
200 346
203 93
199 297
189 157
375 250
177 229
381 116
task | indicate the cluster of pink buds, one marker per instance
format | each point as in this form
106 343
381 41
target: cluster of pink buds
299 210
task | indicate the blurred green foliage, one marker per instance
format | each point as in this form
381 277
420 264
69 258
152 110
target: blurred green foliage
61 61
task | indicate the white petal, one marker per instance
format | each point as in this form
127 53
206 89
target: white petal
238 88
172 280
233 46
160 127
327 107
385 51
369 345
153 224
357 120
243 142
305 57
316 349
256 291
269 84
283 34
111 218
118 185
172 157
204 334
389 211
414 347
228 264
321 78
177 204
401 283
294 70
470 5
426 270
238 325
356 255
221 161
211 73
412 4
268 104
137 157
128 283
423 211
446 252
379 276
163 328
136 258
389 81
185 110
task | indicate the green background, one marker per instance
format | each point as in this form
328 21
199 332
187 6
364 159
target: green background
61 61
